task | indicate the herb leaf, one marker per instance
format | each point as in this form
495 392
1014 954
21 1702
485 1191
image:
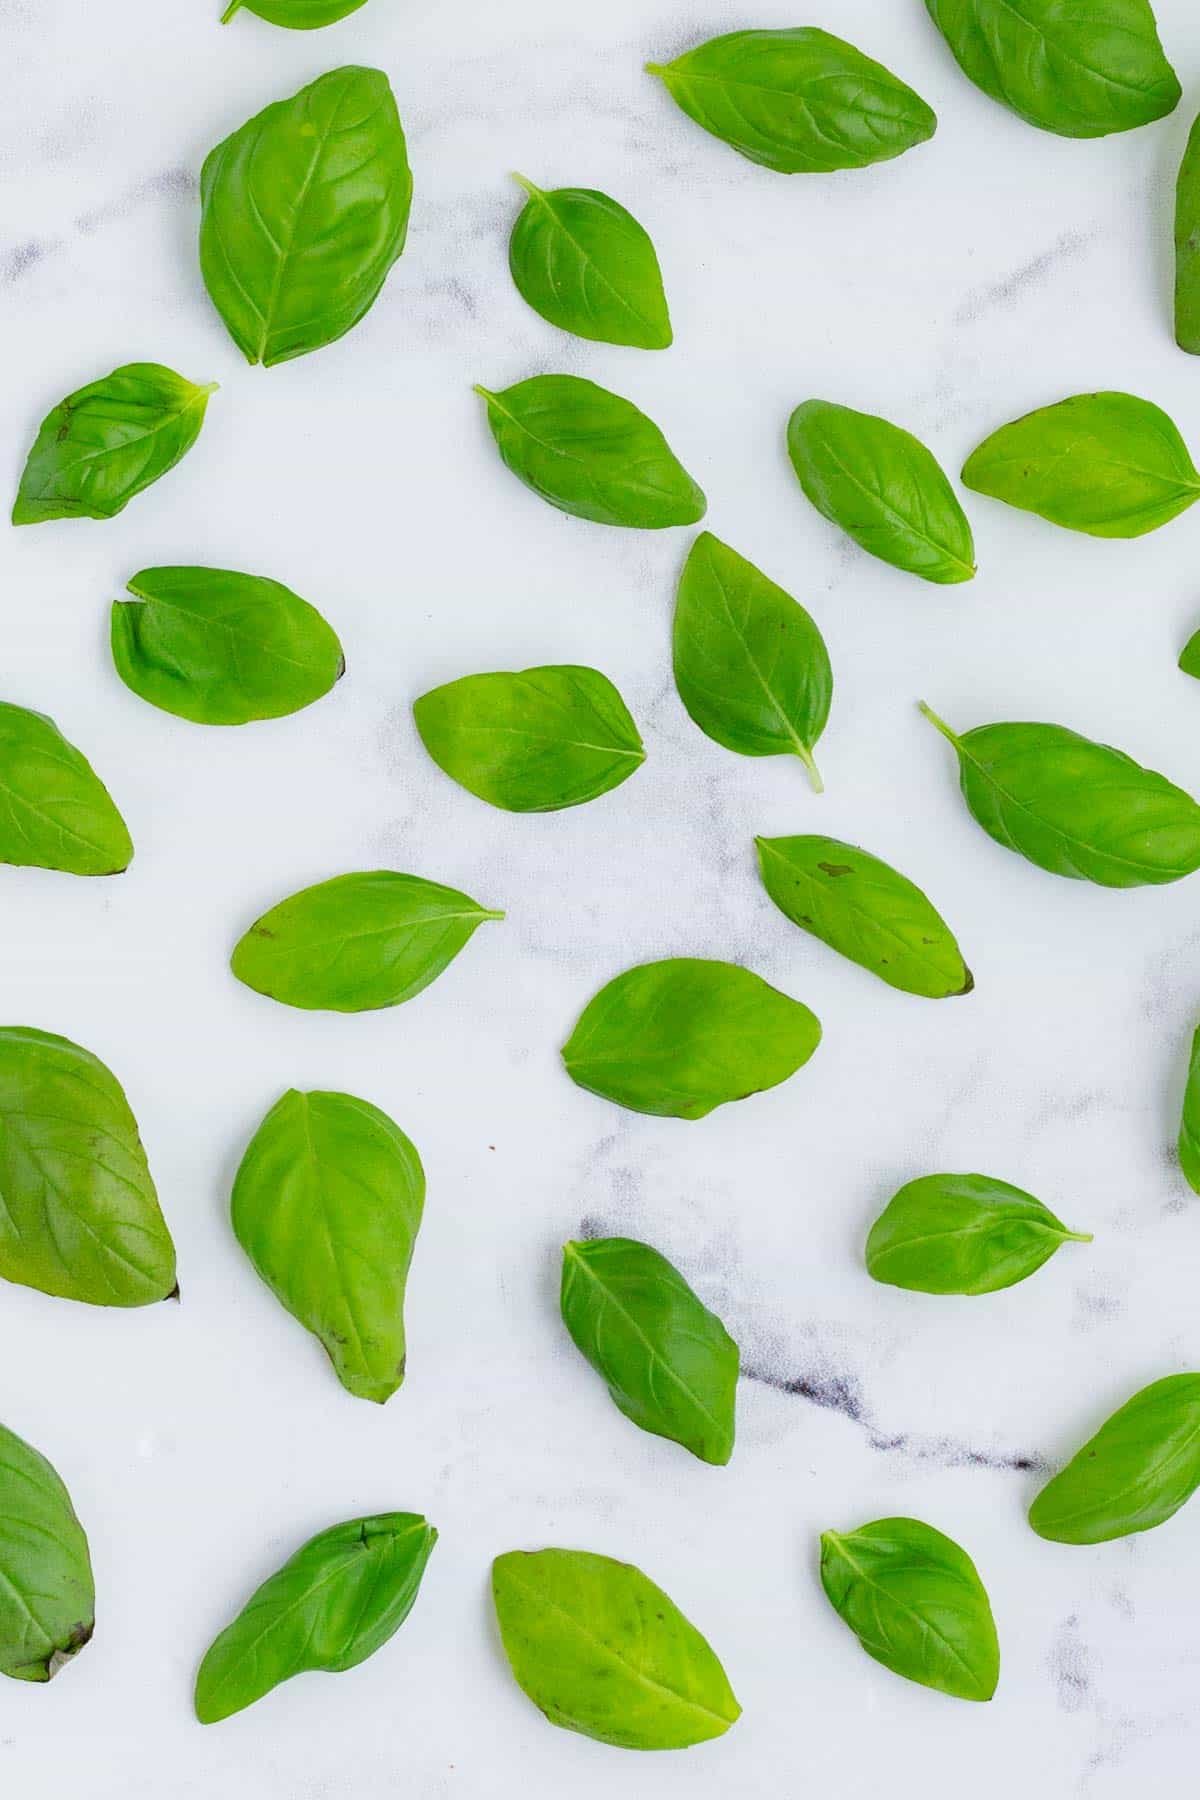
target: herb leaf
1189 1125
55 812
586 265
963 1234
297 15
1139 1469
47 1595
1187 246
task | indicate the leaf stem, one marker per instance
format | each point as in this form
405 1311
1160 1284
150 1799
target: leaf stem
1079 1237
941 725
482 392
814 774
523 181
233 7
658 69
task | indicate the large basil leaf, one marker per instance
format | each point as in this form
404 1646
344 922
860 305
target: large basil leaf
357 942
327 1204
866 911
914 1600
80 1217
55 812
750 664
1075 807
297 15
680 1037
883 488
670 1364
963 1234
591 454
1142 1465
47 1596
533 742
305 209
588 267
1189 1125
1108 464
106 442
333 1604
221 648
1187 246
799 101
603 1651
1082 71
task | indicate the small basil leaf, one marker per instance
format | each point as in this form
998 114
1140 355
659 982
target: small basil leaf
297 15
47 1595
914 1600
221 648
1074 807
107 442
1187 246
591 454
750 664
1189 1126
1189 659
588 267
1142 1465
533 742
80 1217
866 911
680 1037
670 1364
601 1650
799 101
1081 71
327 1204
883 488
305 210
357 942
1107 464
963 1234
333 1604
57 813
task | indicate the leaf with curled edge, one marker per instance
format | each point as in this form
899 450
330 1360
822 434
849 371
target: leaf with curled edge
55 812
47 1594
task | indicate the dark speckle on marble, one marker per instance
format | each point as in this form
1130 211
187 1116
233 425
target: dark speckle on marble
1070 1664
1010 289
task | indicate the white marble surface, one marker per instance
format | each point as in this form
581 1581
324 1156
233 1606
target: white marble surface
992 270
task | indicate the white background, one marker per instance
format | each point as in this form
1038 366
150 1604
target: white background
995 269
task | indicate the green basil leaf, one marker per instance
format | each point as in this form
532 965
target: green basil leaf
533 742
357 942
1142 1465
963 1234
591 454
80 1217
1189 1126
333 1604
914 1600
297 15
1110 465
586 265
799 101
883 488
56 812
1189 658
107 441
670 1364
1074 807
327 1204
750 664
305 210
1081 71
1187 247
866 911
601 1650
680 1037
47 1595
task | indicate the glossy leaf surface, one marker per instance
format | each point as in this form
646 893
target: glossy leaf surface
55 812
1187 246
1142 1465
963 1234
47 1595
296 15
586 265
1189 1126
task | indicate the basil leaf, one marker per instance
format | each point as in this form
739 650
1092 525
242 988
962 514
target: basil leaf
1081 71
670 1364
47 1595
1189 1126
297 15
305 209
883 488
107 441
1111 465
80 1217
799 101
533 742
914 1600
963 1234
56 812
1142 1465
1189 659
750 664
357 942
680 1037
591 454
333 1604
866 911
1074 807
221 648
1187 246
586 265
327 1204
601 1650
